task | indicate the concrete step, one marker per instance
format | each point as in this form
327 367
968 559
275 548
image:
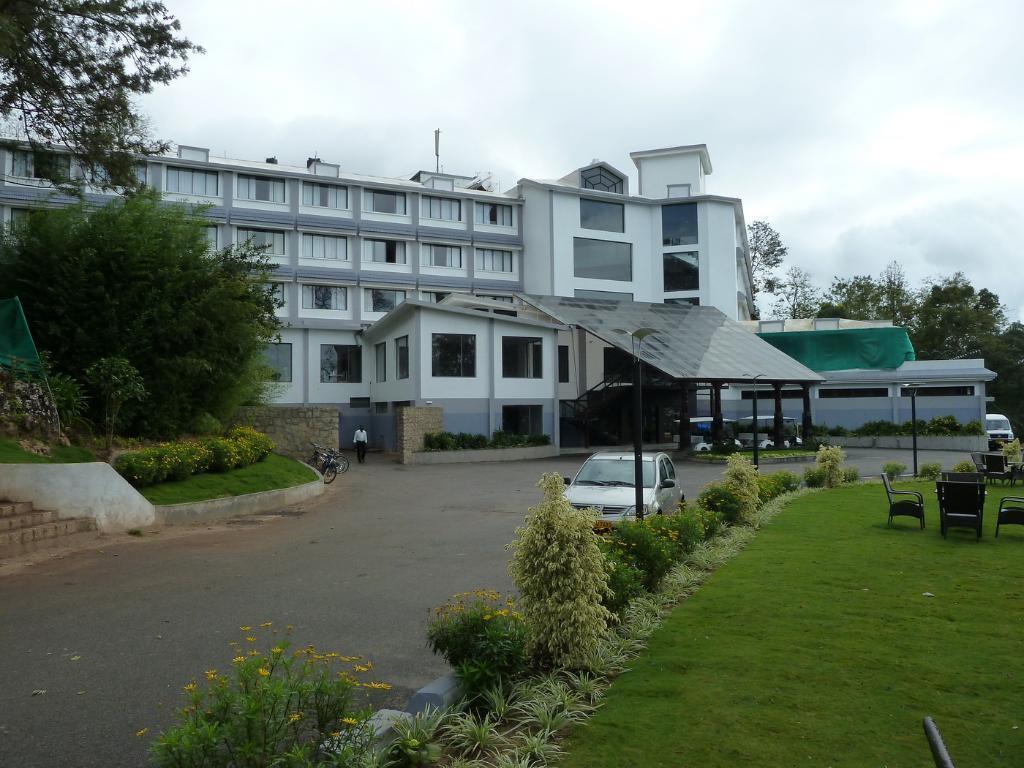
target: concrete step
26 520
14 508
47 535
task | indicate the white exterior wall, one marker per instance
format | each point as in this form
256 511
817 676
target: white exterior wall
327 392
544 387
442 387
538 266
291 392
657 173
392 388
718 278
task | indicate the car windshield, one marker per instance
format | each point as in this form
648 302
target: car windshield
997 424
614 472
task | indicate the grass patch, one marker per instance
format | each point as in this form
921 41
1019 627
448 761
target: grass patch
272 473
817 647
12 453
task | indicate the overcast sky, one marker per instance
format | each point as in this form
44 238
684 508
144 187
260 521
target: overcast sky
863 131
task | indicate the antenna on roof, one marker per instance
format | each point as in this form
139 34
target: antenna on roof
437 150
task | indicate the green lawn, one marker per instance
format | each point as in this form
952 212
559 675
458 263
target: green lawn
273 472
816 646
11 453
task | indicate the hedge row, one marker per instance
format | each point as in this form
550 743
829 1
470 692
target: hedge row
178 461
940 426
464 441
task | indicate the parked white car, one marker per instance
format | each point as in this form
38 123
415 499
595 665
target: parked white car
605 483
705 447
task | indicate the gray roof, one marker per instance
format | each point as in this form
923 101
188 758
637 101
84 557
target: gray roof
694 343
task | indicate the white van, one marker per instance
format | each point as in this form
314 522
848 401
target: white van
998 428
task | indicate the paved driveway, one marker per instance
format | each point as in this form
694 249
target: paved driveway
112 633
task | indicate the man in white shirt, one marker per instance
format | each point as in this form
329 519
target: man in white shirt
360 440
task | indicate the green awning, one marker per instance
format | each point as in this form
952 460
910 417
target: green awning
17 350
846 348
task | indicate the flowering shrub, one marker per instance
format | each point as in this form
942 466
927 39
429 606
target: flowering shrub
681 532
181 460
450 441
482 636
851 474
740 477
1012 451
273 707
639 545
723 501
558 569
830 459
776 484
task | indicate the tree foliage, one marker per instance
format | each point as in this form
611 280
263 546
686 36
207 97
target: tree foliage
136 280
766 255
863 297
796 296
955 320
117 382
70 69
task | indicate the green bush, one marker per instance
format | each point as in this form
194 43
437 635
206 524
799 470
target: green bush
68 397
273 706
974 428
894 469
448 441
709 520
179 461
559 571
482 636
638 545
681 532
1012 450
940 426
740 477
965 465
837 432
206 424
723 501
776 484
933 470
830 459
625 581
724 447
814 477
851 474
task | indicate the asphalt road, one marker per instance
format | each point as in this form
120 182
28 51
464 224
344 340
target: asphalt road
111 633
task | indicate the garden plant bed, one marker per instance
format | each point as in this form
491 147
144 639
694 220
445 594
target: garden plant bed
274 472
766 455
755 670
12 453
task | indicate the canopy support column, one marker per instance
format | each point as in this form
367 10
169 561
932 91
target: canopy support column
778 436
684 417
806 427
717 426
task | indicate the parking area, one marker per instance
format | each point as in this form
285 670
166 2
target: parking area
111 634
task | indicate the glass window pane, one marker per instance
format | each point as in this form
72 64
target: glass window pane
453 355
402 357
596 214
681 272
602 259
279 360
521 357
679 224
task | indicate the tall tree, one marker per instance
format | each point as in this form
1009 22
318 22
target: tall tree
766 255
899 301
856 298
1004 354
137 280
954 320
70 69
796 296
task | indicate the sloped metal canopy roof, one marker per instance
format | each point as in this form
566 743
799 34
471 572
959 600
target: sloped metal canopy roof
693 343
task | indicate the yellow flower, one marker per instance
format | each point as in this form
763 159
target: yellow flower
267 624
349 721
335 734
142 732
277 650
190 687
264 672
238 659
211 674
377 686
246 629
251 639
294 717
289 627
253 652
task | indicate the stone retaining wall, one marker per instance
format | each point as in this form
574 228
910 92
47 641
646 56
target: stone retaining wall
27 408
293 427
412 424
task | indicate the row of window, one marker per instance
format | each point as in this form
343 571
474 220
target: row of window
37 165
335 297
611 260
453 355
678 221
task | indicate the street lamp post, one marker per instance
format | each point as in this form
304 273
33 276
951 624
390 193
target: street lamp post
913 420
756 455
637 338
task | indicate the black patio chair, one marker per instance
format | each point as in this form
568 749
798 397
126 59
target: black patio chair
903 503
963 477
997 468
979 462
1011 512
961 505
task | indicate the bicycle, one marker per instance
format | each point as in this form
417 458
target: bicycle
329 462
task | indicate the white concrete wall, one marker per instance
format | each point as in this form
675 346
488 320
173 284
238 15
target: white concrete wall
92 489
544 387
325 392
443 387
392 389
718 279
537 233
656 173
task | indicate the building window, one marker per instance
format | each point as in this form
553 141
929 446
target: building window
436 183
523 419
359 402
522 357
582 293
402 357
380 352
679 224
324 195
325 247
602 259
384 202
435 297
453 355
381 408
277 294
279 360
597 214
443 256
341 364
853 392
493 213
490 260
261 188
953 391
496 297
382 300
269 239
187 181
330 297
678 190
602 179
386 251
19 217
210 233
763 394
441 208
681 271
21 163
563 364
693 301
142 174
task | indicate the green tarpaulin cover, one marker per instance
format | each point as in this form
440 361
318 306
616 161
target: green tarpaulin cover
17 350
845 348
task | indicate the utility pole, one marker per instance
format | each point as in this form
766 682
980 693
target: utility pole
437 150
